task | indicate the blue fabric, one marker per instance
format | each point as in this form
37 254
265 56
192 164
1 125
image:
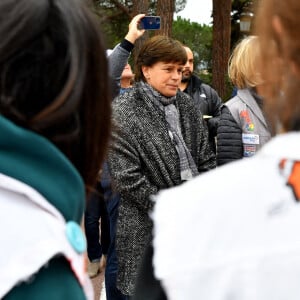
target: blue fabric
112 203
91 225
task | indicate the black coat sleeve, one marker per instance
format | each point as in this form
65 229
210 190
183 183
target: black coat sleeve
214 108
229 138
147 286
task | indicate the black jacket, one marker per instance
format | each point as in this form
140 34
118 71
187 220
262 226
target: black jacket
147 287
229 138
208 101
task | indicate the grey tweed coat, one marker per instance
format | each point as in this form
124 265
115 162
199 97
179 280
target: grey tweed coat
142 161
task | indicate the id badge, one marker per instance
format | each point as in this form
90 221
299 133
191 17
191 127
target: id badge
250 138
249 150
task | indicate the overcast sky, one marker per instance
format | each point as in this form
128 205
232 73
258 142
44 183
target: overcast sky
197 11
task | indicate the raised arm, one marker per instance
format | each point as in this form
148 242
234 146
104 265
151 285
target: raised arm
120 54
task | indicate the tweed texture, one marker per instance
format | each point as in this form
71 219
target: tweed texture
142 161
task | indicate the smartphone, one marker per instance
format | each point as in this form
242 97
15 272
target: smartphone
150 23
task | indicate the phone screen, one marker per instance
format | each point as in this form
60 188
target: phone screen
150 23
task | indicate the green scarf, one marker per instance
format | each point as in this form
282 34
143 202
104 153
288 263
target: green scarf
34 160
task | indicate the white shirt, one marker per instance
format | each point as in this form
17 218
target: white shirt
233 233
32 232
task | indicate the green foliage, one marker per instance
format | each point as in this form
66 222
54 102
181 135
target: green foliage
198 38
113 20
115 31
114 17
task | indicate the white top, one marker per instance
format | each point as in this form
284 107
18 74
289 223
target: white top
38 233
233 233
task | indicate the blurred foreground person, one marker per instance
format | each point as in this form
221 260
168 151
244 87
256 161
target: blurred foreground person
159 142
54 124
247 238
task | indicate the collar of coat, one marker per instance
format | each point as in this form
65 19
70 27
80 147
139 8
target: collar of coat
194 84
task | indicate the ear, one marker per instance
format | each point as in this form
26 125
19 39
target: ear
295 69
145 70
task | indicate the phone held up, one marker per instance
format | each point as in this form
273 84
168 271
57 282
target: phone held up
150 23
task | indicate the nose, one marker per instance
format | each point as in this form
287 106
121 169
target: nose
176 75
188 63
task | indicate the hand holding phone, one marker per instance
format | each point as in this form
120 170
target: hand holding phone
150 23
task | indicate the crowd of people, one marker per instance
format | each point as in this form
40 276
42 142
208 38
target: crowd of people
198 198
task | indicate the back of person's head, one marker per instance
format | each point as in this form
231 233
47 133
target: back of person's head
277 24
53 77
158 49
243 64
187 48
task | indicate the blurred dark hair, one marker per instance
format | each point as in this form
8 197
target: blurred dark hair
158 49
53 77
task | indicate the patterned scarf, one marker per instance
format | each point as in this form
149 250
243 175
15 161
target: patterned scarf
188 168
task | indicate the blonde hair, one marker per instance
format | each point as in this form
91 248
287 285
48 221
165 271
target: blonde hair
243 67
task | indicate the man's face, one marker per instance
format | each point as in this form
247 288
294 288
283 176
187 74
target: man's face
189 66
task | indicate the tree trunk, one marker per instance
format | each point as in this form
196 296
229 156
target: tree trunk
139 6
165 9
221 45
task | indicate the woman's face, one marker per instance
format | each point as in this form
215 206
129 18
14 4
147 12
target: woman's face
164 77
127 72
